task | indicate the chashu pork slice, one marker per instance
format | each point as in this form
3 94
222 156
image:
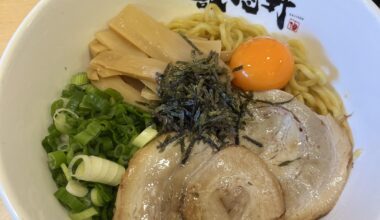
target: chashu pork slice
157 186
140 191
153 184
311 155
173 193
234 185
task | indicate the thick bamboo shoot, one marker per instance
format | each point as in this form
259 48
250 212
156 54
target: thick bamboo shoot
92 74
96 47
148 94
136 67
130 94
150 36
151 85
117 43
208 45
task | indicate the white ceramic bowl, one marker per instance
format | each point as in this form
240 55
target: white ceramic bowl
51 44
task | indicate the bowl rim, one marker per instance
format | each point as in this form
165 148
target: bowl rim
14 208
12 204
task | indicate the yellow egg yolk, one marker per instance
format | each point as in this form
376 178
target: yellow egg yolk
261 64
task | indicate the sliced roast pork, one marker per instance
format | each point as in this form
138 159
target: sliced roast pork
233 183
140 192
311 155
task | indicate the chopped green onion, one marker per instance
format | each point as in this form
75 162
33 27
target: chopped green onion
65 139
59 177
105 192
51 141
79 79
145 136
75 101
96 198
90 88
92 130
85 214
56 105
116 96
88 121
97 170
63 147
61 120
60 123
76 188
70 154
66 172
46 144
106 144
96 102
71 90
58 111
56 158
73 202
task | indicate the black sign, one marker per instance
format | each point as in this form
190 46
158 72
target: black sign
253 6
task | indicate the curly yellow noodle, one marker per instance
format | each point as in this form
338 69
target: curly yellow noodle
308 73
317 92
223 37
309 98
322 78
309 84
321 106
295 86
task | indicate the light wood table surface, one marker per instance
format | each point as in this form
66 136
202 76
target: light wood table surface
11 14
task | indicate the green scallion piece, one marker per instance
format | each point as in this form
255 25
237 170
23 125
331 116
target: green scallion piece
92 130
61 124
56 158
69 155
145 137
90 122
59 177
85 214
96 198
105 192
62 118
72 202
63 147
56 105
66 172
79 79
75 188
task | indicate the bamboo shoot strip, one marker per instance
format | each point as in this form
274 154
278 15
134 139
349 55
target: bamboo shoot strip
129 93
206 46
135 83
103 72
147 94
150 36
92 74
115 42
132 66
151 85
96 47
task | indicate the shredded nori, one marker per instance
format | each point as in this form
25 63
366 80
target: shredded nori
253 141
285 163
199 104
195 48
238 68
